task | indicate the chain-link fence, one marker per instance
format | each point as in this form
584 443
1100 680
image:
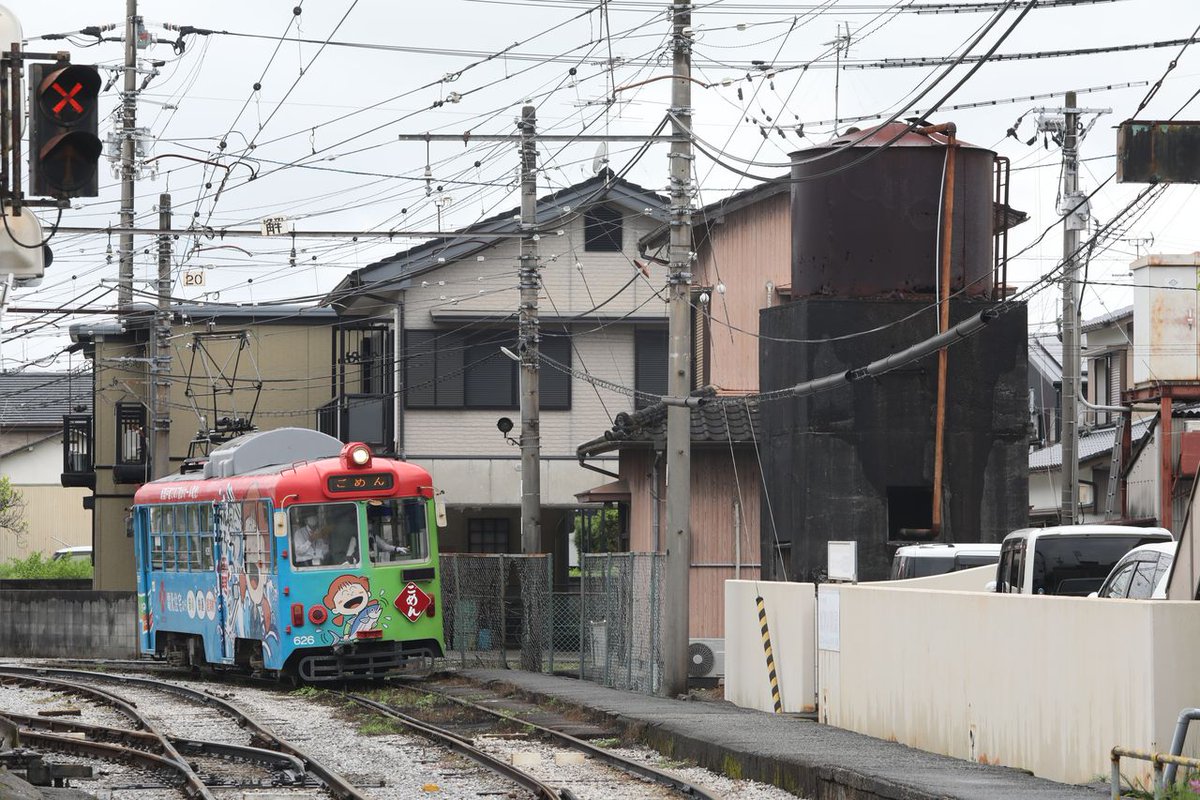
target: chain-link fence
501 611
620 624
498 610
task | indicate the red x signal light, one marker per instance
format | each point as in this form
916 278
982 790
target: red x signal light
64 147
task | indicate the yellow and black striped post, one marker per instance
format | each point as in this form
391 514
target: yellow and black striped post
766 639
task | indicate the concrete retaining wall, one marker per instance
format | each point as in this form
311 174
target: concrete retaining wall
56 623
791 616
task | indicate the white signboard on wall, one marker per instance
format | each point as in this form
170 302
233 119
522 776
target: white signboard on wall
843 561
829 619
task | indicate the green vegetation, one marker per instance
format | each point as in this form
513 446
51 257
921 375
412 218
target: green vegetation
379 726
307 692
38 566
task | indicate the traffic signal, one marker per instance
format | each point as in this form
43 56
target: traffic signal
64 149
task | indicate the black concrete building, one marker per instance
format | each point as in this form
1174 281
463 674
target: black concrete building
857 462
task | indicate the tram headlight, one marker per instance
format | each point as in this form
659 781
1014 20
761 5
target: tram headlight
360 455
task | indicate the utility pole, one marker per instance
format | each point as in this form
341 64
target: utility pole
1072 224
128 131
160 356
527 348
678 540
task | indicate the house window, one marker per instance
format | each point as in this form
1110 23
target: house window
602 230
131 464
650 363
455 370
488 535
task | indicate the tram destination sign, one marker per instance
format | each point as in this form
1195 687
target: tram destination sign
360 482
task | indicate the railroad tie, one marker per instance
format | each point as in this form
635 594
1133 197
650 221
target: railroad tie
766 640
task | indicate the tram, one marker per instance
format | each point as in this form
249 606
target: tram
287 553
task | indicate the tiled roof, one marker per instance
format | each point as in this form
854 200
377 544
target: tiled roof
714 423
40 399
1098 442
1107 319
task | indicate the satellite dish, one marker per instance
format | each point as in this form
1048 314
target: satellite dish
600 162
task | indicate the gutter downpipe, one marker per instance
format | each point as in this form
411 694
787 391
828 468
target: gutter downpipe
939 434
398 395
1181 729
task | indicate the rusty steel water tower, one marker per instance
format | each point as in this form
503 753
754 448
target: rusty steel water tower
886 223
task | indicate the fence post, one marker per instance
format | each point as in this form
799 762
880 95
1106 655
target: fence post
456 636
630 647
608 619
583 616
502 634
550 609
655 601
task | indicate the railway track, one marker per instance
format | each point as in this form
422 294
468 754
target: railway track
482 736
291 765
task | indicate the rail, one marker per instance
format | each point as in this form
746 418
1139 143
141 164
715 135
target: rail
1158 760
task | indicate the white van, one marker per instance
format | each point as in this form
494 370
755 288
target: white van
921 560
1067 559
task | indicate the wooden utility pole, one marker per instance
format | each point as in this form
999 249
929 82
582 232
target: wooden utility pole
160 355
678 539
128 133
528 338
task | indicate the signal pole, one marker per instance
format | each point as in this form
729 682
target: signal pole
527 348
1072 224
128 126
160 357
678 540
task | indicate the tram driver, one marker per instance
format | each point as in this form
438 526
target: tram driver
310 543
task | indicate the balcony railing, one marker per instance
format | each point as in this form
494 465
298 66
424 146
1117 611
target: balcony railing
79 470
359 418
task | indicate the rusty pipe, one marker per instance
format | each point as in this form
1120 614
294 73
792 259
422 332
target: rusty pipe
949 129
939 431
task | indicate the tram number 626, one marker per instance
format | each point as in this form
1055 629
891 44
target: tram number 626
302 640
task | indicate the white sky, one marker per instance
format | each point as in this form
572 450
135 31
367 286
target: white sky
362 177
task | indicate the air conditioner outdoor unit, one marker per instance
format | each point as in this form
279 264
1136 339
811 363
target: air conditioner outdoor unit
706 658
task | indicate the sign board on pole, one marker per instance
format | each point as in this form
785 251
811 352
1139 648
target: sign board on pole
843 561
193 277
277 226
829 619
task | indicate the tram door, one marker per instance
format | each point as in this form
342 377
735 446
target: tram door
227 535
142 539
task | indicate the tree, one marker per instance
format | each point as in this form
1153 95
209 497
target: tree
12 510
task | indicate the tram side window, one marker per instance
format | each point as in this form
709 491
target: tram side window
396 530
255 528
169 535
157 518
204 512
192 515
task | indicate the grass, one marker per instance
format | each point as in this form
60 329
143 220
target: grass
37 566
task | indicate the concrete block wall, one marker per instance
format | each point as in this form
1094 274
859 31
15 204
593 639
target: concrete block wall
51 623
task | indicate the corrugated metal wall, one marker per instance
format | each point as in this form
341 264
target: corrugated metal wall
56 518
757 250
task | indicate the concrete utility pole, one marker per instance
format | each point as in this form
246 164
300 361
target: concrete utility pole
160 356
128 131
678 540
527 348
1072 224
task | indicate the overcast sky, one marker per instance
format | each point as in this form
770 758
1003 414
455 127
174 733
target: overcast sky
325 120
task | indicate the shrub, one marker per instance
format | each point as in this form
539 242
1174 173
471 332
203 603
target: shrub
38 566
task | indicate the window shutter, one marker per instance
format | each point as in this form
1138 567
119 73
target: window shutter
554 385
491 377
420 374
650 363
450 362
602 230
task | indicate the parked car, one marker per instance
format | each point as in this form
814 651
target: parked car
921 560
1142 573
80 552
1067 559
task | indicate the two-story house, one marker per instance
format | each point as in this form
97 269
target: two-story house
446 380
32 407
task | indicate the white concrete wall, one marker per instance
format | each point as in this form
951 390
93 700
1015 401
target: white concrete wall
791 619
497 482
1048 684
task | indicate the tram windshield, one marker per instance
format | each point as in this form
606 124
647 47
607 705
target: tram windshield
396 530
324 534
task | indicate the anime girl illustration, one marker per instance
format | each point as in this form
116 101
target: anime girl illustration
351 606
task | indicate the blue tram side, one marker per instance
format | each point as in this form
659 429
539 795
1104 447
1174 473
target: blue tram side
287 552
